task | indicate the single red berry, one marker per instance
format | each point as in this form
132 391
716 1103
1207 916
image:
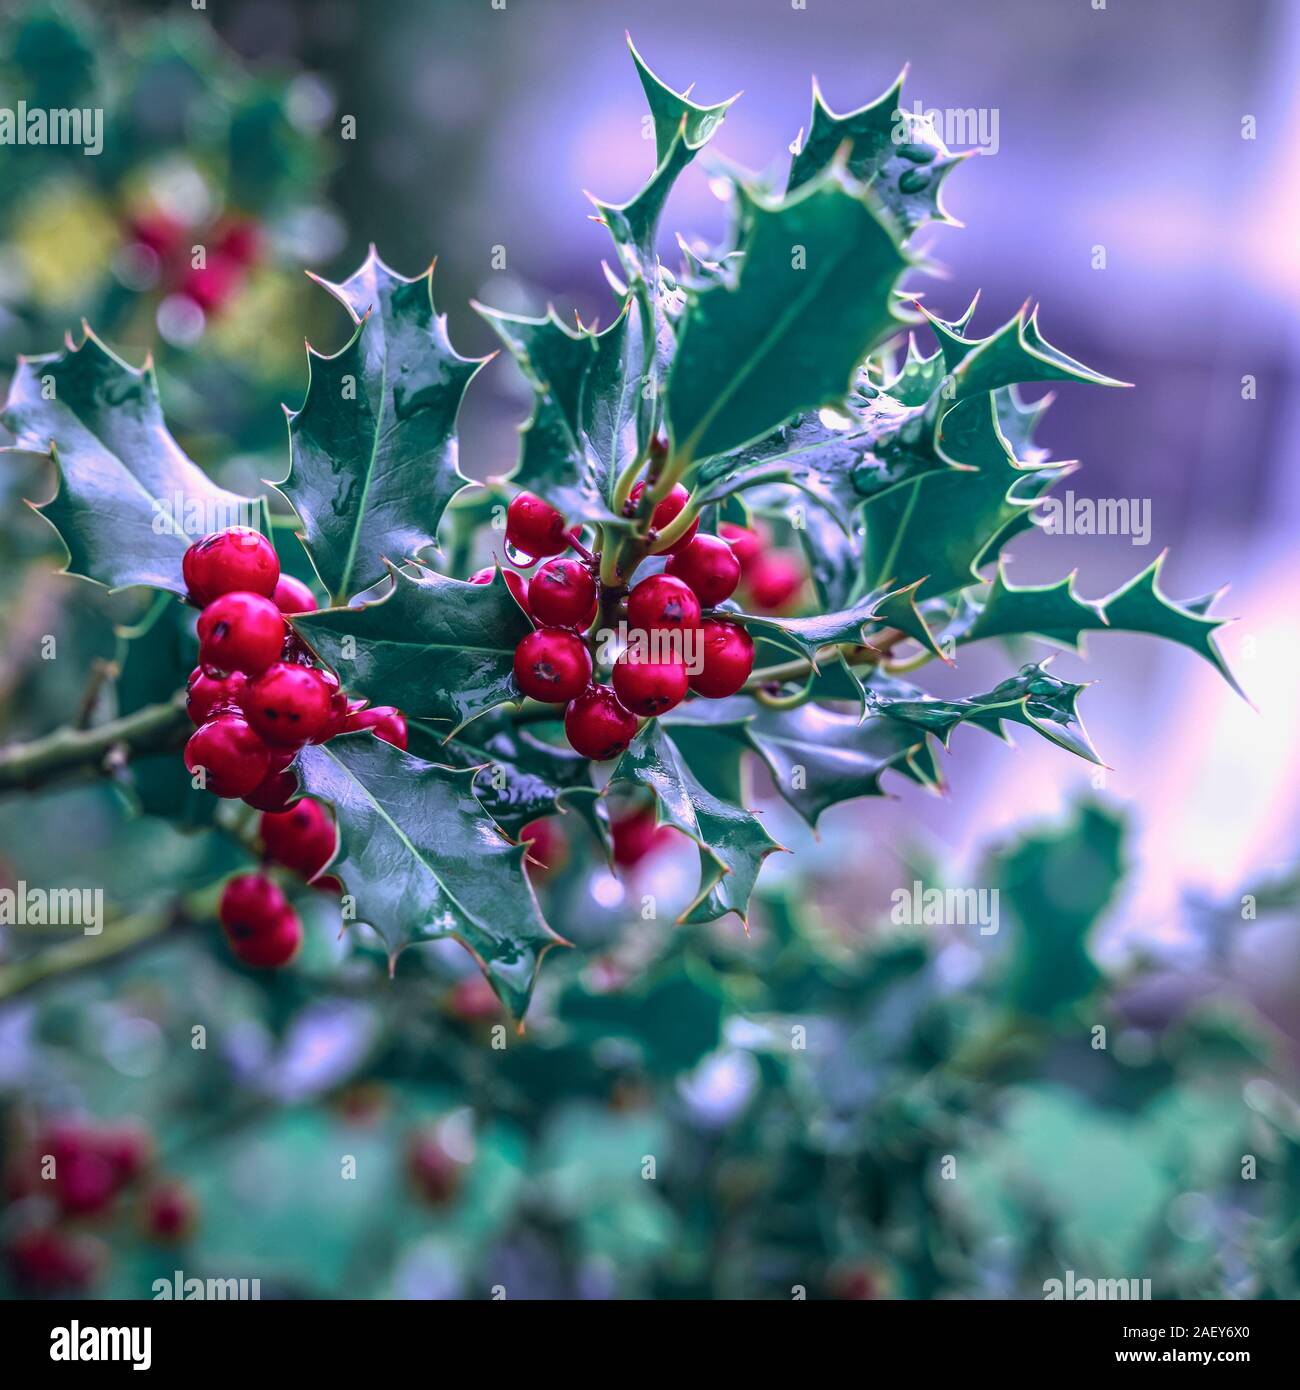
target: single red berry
662 603
635 835
288 705
329 883
168 1213
54 1261
302 839
250 900
664 512
649 687
435 1173
233 755
597 725
775 580
278 790
548 846
128 1146
746 545
240 631
709 566
240 239
515 582
535 527
340 708
293 596
207 696
553 665
728 660
388 723
563 594
214 285
163 235
271 946
85 1182
236 558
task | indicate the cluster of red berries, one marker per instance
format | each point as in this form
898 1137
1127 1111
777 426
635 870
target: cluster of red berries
84 1169
553 663
771 578
231 250
260 924
257 695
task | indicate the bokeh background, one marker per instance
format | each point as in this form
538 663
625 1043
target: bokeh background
1120 129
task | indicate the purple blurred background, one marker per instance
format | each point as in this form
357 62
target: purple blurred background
1118 128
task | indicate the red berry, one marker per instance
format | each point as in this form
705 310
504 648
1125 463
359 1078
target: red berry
634 836
650 687
563 594
515 582
548 847
240 631
233 756
340 708
213 285
473 999
236 558
662 603
128 1146
728 660
535 527
709 566
278 790
85 1182
207 696
269 946
597 725
251 901
434 1171
746 545
293 596
168 1212
664 512
775 580
302 839
388 723
52 1261
553 665
163 235
288 705
241 240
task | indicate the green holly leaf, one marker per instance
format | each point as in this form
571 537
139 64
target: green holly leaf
586 392
423 861
1056 612
731 839
681 129
1034 697
1057 885
1015 353
939 529
373 448
812 296
435 647
807 636
129 502
817 757
518 777
896 153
